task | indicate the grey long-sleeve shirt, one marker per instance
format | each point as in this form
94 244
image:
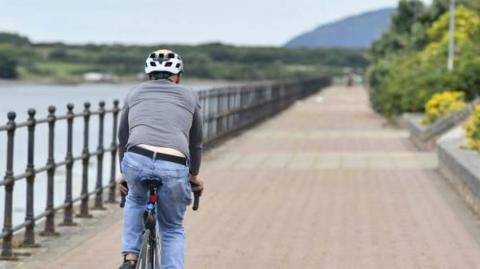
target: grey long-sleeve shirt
164 114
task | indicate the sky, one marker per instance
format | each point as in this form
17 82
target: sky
239 22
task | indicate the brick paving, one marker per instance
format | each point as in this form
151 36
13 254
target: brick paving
325 184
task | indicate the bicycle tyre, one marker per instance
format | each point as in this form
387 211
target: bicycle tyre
157 246
142 257
151 254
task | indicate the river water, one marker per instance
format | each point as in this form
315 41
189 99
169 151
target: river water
21 97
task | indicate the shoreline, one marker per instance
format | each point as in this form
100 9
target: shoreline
54 82
197 83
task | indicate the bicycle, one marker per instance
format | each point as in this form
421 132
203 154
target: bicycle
149 257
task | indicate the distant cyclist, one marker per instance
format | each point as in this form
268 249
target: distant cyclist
160 136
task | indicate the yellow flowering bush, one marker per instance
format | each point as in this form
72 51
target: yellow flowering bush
472 129
442 104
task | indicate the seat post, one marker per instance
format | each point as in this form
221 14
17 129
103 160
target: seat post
152 185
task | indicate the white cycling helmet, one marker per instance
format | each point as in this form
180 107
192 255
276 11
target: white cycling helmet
164 61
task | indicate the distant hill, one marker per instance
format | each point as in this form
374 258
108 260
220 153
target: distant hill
356 31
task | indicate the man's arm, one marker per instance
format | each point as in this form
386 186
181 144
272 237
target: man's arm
196 143
123 133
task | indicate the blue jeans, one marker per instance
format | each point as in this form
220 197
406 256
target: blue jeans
175 195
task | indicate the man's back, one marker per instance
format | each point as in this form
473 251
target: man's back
161 112
164 114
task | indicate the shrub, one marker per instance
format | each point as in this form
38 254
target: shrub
442 104
468 69
472 129
403 80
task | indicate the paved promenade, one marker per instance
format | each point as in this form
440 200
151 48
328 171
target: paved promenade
326 184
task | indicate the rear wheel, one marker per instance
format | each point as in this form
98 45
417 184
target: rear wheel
149 257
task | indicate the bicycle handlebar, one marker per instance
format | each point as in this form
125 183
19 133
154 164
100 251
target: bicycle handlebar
123 195
196 201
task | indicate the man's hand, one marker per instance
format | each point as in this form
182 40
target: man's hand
121 184
197 184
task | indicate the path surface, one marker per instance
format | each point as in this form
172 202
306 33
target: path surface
323 185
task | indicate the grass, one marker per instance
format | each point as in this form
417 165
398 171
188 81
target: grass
66 72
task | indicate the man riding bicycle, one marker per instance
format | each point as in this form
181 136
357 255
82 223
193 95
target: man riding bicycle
160 136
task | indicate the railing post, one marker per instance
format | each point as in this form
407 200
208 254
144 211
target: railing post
50 217
68 211
241 93
238 106
203 95
85 160
228 109
29 240
7 253
204 101
221 112
114 149
218 128
100 152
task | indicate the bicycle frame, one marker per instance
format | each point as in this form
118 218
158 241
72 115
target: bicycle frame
150 252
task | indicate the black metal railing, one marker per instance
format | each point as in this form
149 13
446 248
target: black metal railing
230 109
225 111
31 172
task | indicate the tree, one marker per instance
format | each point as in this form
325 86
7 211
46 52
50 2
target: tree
8 62
407 30
408 13
13 39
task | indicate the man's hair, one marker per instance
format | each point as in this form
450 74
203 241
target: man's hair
160 75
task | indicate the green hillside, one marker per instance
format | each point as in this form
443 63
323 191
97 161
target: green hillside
22 59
